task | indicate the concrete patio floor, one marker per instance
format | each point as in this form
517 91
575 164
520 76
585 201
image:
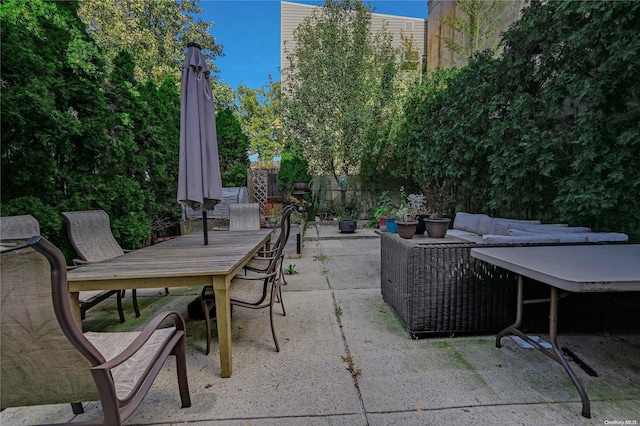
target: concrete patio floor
346 359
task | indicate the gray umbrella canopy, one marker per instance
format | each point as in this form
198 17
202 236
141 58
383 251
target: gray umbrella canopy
199 183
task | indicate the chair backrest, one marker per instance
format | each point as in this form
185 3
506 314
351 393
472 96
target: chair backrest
18 227
285 225
40 365
90 235
244 216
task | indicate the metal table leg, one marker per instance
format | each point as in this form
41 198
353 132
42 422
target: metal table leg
553 324
513 327
556 354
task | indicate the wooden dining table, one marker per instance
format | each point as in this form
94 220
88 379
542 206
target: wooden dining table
180 262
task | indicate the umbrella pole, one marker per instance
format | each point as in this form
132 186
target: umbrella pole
205 227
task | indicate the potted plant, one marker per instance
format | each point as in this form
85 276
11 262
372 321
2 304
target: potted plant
381 212
293 175
321 196
410 206
347 215
438 200
347 224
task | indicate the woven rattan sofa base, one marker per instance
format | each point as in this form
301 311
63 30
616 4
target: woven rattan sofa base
438 288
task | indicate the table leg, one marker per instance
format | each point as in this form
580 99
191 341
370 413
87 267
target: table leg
223 321
553 326
516 324
556 354
74 302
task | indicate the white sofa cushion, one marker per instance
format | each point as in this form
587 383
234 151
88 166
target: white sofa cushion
576 237
468 221
471 237
487 225
506 239
502 226
554 229
563 237
599 237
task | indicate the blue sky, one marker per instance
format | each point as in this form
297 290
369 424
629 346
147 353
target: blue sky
249 31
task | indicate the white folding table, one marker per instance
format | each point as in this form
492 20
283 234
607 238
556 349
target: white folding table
573 268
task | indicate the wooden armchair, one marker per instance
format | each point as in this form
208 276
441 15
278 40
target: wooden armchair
91 237
46 359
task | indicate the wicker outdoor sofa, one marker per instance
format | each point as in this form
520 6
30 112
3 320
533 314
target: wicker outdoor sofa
436 287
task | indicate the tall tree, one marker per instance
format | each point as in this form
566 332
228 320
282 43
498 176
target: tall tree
53 113
155 33
160 146
331 84
474 28
259 113
583 67
232 147
76 137
547 130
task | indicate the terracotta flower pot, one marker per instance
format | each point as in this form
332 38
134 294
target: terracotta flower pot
407 229
437 228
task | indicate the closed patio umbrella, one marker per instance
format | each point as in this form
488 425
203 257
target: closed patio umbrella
199 182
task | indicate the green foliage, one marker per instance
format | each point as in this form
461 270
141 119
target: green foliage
549 130
476 26
383 207
232 148
293 167
52 225
49 104
338 77
155 32
76 137
321 194
161 149
291 269
259 113
348 209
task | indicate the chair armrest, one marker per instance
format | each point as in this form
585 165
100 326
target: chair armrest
255 269
262 252
262 258
80 262
255 277
267 261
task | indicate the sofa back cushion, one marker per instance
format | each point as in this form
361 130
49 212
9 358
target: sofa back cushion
487 225
469 222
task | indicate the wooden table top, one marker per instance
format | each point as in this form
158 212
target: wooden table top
185 256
